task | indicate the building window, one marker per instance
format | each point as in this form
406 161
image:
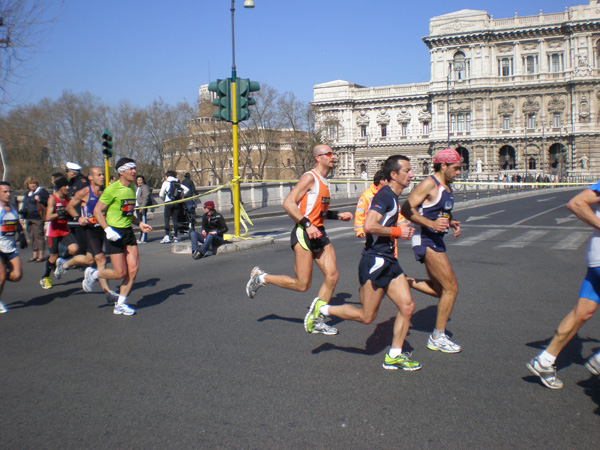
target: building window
363 131
505 67
383 130
289 162
460 123
459 67
332 131
598 54
506 123
555 62
556 120
453 123
530 64
468 121
425 128
404 128
531 121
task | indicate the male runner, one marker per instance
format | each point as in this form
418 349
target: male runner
430 206
589 295
81 208
118 202
364 202
58 231
379 272
308 205
10 227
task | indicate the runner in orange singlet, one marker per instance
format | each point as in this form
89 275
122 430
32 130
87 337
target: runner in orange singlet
308 205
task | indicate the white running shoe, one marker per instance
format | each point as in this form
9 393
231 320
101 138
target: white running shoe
593 364
3 308
58 272
547 374
166 240
124 309
88 281
443 344
254 283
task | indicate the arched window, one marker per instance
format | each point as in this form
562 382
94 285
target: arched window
459 66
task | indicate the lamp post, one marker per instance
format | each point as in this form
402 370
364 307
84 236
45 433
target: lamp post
234 121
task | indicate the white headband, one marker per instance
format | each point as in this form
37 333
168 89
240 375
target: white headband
126 166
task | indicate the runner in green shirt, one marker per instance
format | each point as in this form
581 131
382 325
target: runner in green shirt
118 203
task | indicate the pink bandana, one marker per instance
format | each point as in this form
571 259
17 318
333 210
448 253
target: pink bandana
448 156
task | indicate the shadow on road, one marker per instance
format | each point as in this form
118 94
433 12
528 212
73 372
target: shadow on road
45 299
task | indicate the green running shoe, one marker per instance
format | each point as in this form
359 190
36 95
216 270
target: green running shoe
313 314
401 362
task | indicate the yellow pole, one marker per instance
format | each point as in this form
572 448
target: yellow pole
236 166
106 171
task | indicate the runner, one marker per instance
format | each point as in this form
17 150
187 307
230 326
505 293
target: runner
58 231
379 271
118 202
81 208
430 206
10 229
589 295
308 205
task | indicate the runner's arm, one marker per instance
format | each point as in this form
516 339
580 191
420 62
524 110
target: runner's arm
290 204
581 206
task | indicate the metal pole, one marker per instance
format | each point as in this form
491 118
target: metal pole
236 167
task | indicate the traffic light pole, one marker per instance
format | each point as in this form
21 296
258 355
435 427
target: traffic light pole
234 119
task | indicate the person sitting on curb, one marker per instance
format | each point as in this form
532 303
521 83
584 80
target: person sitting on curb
211 237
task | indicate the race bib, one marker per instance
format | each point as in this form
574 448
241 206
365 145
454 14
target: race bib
127 207
8 228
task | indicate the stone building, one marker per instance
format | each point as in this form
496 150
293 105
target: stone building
516 95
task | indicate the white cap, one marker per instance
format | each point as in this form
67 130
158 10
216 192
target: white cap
73 166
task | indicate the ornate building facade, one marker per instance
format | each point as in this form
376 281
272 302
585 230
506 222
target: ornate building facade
517 95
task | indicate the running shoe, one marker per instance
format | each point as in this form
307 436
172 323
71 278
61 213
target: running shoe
88 281
124 309
443 344
547 374
46 283
593 364
175 240
401 362
166 240
197 254
254 283
3 308
60 270
320 327
111 297
312 314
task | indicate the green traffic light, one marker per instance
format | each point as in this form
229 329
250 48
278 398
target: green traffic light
222 89
245 87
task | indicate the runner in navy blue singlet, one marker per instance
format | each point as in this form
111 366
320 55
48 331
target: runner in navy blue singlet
430 206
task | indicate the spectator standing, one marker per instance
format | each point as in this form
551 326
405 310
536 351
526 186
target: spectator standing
171 191
33 211
191 204
143 197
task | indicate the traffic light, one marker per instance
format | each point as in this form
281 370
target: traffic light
222 88
107 143
244 88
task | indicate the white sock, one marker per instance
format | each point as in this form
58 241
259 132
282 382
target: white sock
121 300
95 274
324 310
546 359
395 352
438 333
261 278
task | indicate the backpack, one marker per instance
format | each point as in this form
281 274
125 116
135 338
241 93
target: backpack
175 191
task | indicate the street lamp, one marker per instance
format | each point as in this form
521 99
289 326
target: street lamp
234 120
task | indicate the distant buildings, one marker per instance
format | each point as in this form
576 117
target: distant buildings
520 94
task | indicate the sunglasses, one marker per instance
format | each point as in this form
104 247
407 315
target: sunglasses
328 154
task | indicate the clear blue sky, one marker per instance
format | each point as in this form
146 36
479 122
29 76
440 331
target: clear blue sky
140 50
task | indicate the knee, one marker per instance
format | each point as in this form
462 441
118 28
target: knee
332 278
366 319
408 309
303 286
16 275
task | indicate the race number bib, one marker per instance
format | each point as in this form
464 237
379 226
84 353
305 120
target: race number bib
127 207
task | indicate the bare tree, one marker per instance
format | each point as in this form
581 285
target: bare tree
299 117
22 23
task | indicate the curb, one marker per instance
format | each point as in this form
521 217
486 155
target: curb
235 245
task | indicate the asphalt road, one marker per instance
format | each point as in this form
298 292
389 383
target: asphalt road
202 366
